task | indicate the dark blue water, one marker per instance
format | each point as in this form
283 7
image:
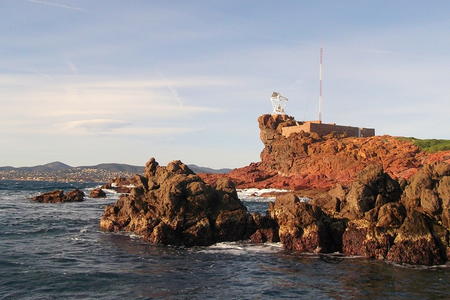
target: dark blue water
56 251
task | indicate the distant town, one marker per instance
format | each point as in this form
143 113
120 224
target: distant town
60 172
72 175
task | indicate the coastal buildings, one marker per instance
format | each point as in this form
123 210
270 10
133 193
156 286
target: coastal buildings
325 128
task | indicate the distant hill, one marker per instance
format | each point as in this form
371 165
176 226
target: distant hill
198 169
53 166
111 167
7 168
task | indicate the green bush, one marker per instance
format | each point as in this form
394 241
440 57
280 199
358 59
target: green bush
429 145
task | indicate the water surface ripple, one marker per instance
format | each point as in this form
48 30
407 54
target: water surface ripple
56 251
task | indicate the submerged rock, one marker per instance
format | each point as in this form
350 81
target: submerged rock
58 196
172 205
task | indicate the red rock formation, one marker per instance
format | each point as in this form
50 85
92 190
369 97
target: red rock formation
307 160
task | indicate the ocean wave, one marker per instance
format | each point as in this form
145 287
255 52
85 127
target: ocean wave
419 267
259 195
242 248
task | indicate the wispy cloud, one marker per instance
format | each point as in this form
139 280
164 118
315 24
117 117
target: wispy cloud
111 127
56 4
92 106
95 125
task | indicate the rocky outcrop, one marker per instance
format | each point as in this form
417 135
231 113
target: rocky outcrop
266 229
122 185
58 196
97 193
373 218
400 227
429 192
418 241
304 227
372 189
307 160
172 205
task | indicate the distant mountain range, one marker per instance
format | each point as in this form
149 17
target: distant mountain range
111 167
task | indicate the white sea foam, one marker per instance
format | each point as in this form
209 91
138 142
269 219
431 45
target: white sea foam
242 248
256 195
133 236
258 192
109 191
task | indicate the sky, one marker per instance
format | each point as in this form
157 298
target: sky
86 82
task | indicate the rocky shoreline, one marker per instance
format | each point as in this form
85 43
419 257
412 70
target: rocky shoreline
376 197
375 217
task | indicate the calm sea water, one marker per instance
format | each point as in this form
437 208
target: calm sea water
56 251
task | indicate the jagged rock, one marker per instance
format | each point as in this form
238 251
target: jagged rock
74 196
97 193
429 192
58 196
122 185
174 206
307 160
374 222
362 238
415 243
267 229
303 227
372 188
390 215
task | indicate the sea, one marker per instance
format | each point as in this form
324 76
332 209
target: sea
57 251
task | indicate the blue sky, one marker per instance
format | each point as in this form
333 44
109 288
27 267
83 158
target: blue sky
86 82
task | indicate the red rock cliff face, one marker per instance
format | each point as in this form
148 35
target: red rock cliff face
307 160
316 160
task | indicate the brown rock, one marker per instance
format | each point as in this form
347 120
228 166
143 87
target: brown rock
177 207
267 230
302 227
74 196
416 244
373 188
362 238
58 196
391 215
51 197
429 192
97 193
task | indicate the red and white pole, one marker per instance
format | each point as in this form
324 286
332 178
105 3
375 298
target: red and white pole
320 88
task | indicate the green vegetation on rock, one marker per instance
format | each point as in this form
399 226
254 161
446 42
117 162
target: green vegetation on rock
429 145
